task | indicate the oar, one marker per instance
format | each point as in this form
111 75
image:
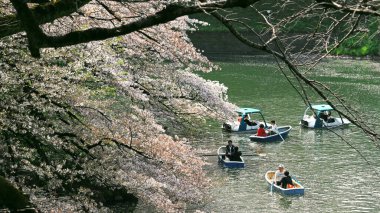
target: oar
271 188
206 155
278 132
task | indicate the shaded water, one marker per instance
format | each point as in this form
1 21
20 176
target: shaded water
335 176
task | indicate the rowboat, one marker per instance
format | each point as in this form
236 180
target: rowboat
297 190
240 125
282 133
320 116
226 162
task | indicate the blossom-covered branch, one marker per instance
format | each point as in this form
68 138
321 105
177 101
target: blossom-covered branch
171 11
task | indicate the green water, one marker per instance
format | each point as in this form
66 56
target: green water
335 177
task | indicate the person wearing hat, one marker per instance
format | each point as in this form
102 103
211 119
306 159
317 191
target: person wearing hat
279 174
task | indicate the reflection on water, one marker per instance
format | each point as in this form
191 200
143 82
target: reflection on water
285 202
307 135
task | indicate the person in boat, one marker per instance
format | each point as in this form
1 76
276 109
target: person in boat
326 115
236 155
286 182
279 174
273 128
329 118
230 149
248 122
261 131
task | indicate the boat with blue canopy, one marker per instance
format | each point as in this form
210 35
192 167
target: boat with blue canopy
322 116
245 121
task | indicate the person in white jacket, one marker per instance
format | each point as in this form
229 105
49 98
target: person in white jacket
273 128
279 174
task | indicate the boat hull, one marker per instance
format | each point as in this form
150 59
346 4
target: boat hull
312 123
283 133
297 191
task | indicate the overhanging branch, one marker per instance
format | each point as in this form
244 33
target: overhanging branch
44 13
169 13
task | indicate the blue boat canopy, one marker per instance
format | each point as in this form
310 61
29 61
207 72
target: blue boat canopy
247 110
322 107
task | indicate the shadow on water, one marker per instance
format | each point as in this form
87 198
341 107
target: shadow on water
285 202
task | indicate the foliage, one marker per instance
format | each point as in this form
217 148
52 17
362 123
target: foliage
357 46
74 124
362 44
93 92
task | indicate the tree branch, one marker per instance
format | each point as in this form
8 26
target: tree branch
45 13
169 13
118 143
33 31
356 8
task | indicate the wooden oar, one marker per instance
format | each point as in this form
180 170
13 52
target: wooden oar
205 155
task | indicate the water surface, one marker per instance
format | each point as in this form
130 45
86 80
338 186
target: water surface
335 176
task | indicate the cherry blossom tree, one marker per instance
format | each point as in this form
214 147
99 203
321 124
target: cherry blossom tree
102 115
94 93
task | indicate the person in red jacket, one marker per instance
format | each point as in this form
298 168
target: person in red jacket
261 131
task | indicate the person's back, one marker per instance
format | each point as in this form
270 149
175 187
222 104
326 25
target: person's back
235 156
261 131
287 180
